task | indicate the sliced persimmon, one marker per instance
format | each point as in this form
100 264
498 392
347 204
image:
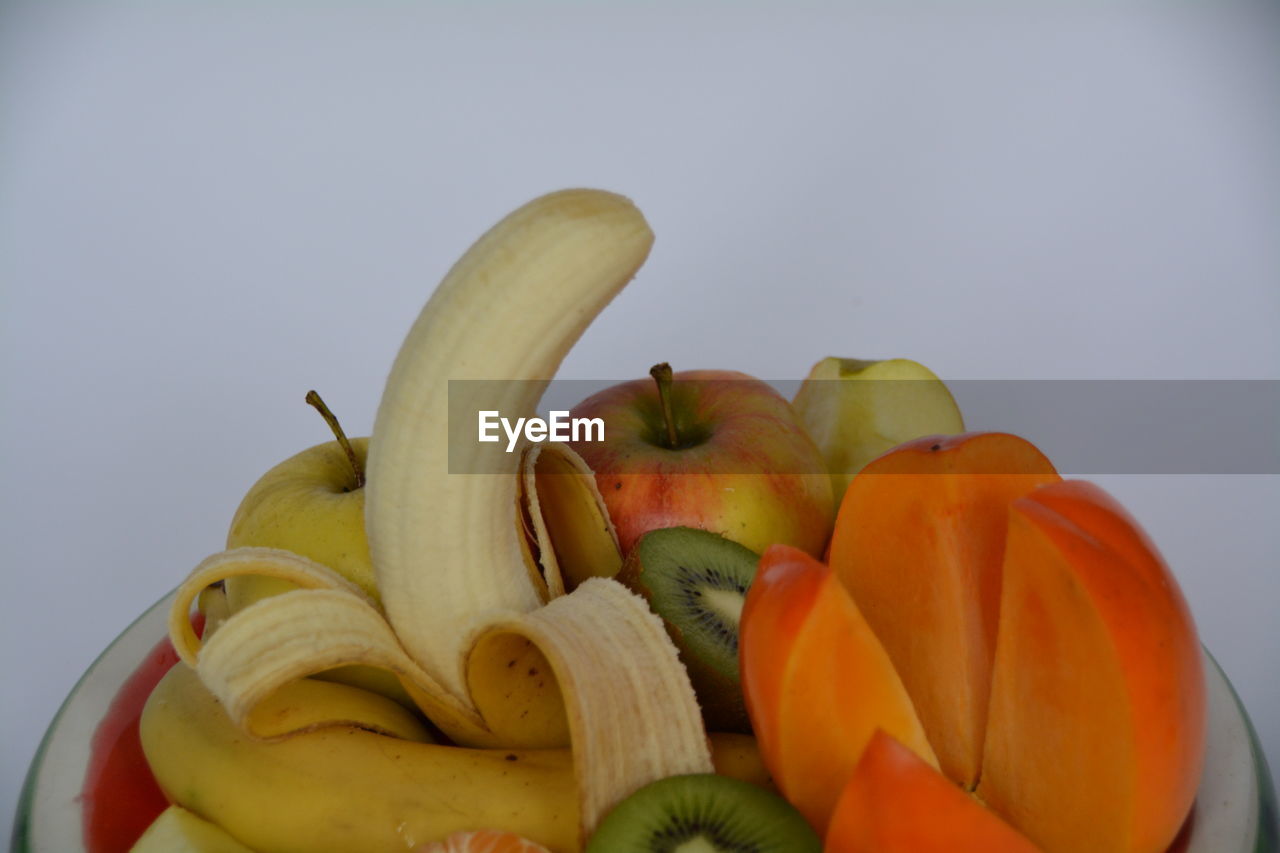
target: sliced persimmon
896 803
1096 727
816 680
918 543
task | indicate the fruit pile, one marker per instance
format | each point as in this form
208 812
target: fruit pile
899 637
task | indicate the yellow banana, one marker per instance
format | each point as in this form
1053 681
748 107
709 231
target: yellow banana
342 789
486 644
348 789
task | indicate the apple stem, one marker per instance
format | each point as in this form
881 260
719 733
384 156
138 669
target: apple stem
661 374
318 404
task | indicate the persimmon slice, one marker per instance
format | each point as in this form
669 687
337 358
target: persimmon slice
1096 728
896 803
918 543
816 680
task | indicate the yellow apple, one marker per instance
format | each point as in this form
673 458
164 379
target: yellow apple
309 504
313 504
857 410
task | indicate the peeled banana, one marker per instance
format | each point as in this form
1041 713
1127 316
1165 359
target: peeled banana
503 640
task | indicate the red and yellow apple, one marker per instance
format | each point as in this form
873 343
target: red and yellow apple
711 449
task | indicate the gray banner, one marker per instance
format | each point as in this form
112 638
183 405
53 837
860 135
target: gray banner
1084 426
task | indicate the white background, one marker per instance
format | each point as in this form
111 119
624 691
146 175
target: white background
206 210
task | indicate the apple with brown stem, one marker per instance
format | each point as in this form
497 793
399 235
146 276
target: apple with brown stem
712 449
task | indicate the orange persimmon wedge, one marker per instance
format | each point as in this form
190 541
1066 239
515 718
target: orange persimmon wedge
896 803
816 680
1029 622
918 543
1096 726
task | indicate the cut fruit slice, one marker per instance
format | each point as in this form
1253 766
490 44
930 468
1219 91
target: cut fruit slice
896 803
817 681
179 831
918 543
703 813
483 841
856 410
697 582
1097 677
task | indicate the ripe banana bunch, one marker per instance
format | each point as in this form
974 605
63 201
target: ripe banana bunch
491 616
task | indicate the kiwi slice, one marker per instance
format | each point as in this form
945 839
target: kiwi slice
703 813
697 581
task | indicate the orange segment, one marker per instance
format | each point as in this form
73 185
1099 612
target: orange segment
896 803
483 841
1096 726
817 682
918 543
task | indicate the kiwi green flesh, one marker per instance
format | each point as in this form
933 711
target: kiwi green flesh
697 581
703 813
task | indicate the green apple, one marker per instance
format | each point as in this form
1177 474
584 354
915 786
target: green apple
710 449
856 410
